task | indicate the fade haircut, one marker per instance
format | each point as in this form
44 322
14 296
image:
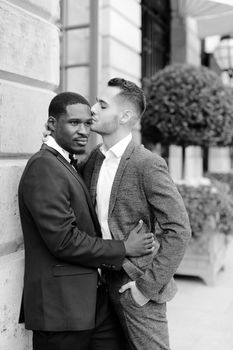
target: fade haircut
59 103
131 92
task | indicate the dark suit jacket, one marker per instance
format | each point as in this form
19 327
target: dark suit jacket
143 189
63 248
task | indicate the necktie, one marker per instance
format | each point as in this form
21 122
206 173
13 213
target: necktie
73 161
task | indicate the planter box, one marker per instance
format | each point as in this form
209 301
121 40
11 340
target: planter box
204 257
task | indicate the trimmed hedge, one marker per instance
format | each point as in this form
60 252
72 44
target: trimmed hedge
226 178
188 105
208 202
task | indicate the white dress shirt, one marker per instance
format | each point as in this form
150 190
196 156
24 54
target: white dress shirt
105 181
51 142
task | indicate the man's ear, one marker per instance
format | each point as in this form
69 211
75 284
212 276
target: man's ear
126 116
51 123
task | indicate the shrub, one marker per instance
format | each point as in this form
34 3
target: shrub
188 105
208 203
226 178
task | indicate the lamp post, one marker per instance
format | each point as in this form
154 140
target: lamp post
223 55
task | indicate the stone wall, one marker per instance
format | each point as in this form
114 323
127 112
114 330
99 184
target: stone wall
120 43
121 39
29 73
118 54
77 44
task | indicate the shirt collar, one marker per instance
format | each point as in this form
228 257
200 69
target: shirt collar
51 142
119 148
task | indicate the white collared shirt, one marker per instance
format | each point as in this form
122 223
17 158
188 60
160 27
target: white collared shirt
105 181
51 142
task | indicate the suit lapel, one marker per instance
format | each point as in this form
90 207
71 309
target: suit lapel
73 172
99 158
123 163
66 164
79 179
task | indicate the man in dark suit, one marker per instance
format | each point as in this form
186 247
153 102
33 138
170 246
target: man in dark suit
128 182
65 303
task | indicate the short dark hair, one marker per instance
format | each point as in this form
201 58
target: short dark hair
57 106
131 92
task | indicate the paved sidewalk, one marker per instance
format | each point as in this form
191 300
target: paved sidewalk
201 317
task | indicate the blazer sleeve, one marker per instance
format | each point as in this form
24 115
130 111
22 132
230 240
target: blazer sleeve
169 211
46 195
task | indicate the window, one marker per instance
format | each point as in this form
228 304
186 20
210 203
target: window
156 18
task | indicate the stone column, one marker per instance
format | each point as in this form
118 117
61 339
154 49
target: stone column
29 73
219 160
175 162
193 162
185 48
185 43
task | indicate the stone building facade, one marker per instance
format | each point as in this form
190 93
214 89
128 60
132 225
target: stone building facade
29 74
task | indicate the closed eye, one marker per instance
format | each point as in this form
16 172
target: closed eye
103 106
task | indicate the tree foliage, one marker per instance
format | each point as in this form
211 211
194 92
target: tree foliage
188 105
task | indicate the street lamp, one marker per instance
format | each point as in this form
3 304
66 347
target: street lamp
223 55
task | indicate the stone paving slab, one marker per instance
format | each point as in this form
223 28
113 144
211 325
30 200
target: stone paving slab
201 317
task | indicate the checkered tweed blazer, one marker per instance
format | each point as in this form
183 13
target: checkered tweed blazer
143 189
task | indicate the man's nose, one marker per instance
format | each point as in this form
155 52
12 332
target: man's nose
94 108
82 129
